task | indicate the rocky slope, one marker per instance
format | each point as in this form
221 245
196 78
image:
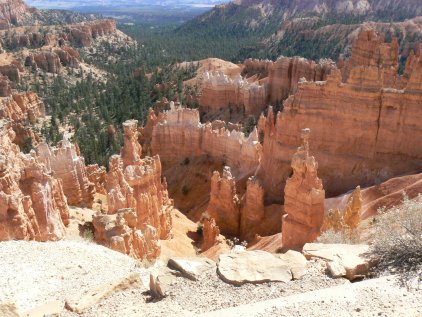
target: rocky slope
14 12
312 29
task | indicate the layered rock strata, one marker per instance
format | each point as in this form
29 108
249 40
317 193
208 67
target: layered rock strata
32 202
66 163
303 199
364 131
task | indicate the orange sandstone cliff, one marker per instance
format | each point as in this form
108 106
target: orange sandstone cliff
32 202
364 130
262 83
66 164
138 202
181 135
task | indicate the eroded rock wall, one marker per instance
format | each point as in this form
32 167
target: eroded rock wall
219 91
32 202
265 82
67 164
363 131
20 109
181 135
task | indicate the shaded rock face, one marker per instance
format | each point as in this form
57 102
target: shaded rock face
84 33
180 135
220 91
224 205
68 56
303 200
65 163
11 71
47 61
382 145
266 82
5 89
285 74
243 216
136 183
32 202
121 232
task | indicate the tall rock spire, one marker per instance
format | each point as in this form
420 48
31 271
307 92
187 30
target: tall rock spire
304 199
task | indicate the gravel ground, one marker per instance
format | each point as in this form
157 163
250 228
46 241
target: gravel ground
36 273
378 297
207 294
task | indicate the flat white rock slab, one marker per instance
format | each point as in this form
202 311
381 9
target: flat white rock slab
252 267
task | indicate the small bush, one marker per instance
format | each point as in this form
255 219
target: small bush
345 236
89 235
398 240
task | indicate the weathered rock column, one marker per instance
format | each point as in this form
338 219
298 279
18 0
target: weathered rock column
304 199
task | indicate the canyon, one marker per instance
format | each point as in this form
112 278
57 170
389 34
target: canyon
232 198
357 142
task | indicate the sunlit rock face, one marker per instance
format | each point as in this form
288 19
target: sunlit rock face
303 199
364 130
67 164
181 135
263 83
135 182
32 202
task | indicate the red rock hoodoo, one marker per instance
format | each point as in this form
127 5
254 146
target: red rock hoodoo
303 199
135 183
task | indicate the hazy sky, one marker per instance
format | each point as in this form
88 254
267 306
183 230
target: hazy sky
77 3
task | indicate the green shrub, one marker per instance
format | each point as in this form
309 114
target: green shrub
398 240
